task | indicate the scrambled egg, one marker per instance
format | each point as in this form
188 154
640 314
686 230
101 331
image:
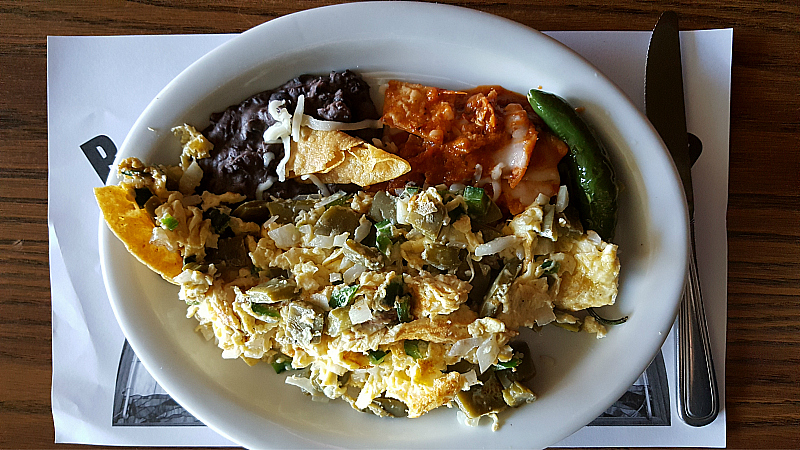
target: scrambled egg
395 303
358 345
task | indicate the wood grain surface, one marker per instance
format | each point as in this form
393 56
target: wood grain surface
763 341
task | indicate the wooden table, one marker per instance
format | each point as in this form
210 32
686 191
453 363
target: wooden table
763 343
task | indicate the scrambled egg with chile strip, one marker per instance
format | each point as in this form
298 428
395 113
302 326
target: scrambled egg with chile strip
582 270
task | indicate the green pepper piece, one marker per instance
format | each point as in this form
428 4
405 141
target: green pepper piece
442 257
477 201
393 290
359 253
550 267
273 291
428 214
383 208
150 206
403 307
252 211
410 190
282 364
342 295
493 302
605 321
592 182
482 399
142 196
510 364
264 310
170 222
415 348
219 220
196 266
344 200
377 356
337 220
516 394
287 210
391 406
304 323
574 327
384 235
338 321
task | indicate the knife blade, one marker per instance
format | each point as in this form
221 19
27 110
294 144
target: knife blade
698 399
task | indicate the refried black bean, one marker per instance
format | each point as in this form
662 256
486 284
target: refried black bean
236 163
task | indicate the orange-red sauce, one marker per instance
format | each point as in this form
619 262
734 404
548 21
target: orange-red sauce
446 135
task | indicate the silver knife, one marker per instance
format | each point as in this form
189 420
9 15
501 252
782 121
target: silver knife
698 398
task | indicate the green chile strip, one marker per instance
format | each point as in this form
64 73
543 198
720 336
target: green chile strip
593 181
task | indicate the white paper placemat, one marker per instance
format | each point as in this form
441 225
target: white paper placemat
98 86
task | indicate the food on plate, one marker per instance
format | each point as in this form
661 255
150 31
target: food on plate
338 158
388 261
131 223
590 173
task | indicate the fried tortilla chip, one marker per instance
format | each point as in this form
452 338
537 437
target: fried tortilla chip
319 151
132 225
337 157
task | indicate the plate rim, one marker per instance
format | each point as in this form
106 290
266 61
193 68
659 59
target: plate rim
106 237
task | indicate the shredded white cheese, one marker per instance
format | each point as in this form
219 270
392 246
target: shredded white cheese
319 184
297 118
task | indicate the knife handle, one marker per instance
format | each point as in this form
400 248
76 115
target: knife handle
698 398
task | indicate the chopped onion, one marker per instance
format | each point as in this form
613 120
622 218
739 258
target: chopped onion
470 422
364 227
360 312
191 177
463 346
547 222
161 238
306 385
331 198
542 199
353 273
497 171
305 229
543 315
334 277
402 211
275 110
471 378
496 245
487 353
562 200
340 239
286 236
457 187
594 237
322 242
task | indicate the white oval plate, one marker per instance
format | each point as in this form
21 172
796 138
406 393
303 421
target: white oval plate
578 375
